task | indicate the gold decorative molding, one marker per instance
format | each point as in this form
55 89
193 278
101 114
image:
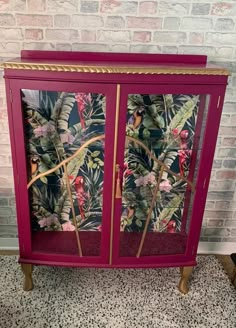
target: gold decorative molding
114 170
116 69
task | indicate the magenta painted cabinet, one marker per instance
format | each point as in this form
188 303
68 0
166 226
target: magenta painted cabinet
112 156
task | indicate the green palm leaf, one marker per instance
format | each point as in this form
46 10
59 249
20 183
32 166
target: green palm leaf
62 109
183 114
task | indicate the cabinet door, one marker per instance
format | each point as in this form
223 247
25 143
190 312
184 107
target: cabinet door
161 133
61 133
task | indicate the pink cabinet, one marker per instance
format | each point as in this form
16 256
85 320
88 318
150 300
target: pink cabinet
112 156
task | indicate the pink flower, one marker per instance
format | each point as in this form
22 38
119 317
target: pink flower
48 221
67 137
165 186
68 226
147 179
175 132
139 182
127 171
45 130
184 134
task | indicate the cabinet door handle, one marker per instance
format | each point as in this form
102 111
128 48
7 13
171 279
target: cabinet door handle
118 182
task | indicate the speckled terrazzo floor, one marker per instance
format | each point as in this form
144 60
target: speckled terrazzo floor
65 297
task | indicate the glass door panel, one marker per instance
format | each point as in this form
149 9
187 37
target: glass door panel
64 137
162 146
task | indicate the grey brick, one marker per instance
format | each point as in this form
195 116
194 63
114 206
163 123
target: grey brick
218 214
115 22
229 107
217 232
227 152
217 163
230 223
8 231
3 201
89 6
5 211
203 239
172 23
220 195
215 223
229 163
214 239
200 9
224 24
233 232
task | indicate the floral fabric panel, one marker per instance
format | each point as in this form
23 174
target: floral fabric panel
165 126
57 125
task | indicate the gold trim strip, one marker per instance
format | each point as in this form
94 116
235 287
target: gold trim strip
173 70
114 170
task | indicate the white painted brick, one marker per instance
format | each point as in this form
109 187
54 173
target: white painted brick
11 6
119 7
119 47
201 50
166 8
39 46
90 47
221 38
171 23
63 21
7 20
62 34
170 49
143 48
224 52
113 36
10 48
196 23
64 6
87 21
8 34
170 37
63 47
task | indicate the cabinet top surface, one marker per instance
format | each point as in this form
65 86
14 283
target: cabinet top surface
116 63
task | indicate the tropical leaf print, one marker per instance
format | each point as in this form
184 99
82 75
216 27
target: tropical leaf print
165 124
57 124
183 114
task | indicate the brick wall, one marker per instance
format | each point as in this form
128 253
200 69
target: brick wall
201 27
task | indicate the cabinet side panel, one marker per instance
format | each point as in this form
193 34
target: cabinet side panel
205 166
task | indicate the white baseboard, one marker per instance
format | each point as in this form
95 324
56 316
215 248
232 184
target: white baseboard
10 244
203 248
223 248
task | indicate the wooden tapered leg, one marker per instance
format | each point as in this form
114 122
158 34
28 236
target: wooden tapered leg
27 270
185 275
